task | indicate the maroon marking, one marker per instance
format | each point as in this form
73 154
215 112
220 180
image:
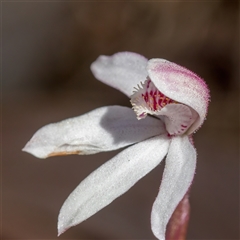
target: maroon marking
154 98
148 84
146 97
142 114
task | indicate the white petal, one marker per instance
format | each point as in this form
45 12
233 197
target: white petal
181 85
123 71
177 178
178 118
102 129
111 180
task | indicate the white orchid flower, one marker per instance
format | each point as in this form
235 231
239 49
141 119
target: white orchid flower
178 100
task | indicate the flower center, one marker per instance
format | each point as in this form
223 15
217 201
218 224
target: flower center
148 99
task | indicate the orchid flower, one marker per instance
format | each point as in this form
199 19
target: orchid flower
170 103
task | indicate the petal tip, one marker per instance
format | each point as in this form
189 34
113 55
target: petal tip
60 231
63 225
37 152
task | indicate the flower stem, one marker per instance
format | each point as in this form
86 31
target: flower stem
178 223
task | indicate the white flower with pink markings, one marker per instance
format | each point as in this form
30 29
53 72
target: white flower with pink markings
170 104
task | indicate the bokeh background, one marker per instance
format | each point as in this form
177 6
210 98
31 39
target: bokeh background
47 48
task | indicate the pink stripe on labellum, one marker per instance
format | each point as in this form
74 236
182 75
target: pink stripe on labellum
147 99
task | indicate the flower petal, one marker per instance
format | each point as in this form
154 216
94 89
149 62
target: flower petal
181 85
111 180
177 178
123 71
177 117
103 129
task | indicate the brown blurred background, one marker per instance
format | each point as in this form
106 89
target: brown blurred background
47 48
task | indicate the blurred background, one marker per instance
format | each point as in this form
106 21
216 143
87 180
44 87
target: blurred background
47 48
